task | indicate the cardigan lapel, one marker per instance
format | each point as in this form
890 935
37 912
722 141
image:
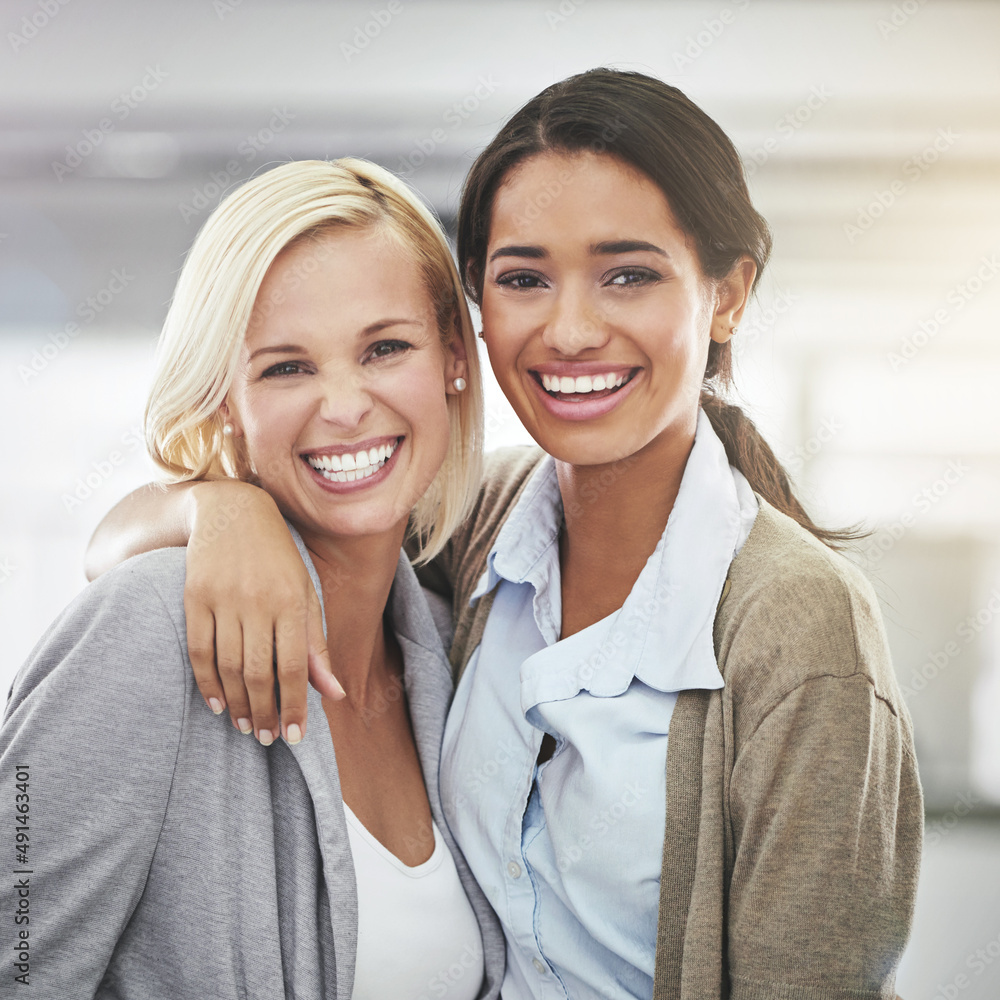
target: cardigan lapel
318 762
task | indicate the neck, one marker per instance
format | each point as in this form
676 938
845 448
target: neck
614 516
356 575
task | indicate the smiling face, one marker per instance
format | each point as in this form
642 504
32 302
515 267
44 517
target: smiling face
595 310
341 385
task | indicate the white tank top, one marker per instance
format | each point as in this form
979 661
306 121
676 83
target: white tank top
418 936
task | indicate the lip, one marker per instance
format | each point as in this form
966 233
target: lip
574 368
583 409
353 447
359 485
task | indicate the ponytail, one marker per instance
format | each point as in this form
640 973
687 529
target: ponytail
747 450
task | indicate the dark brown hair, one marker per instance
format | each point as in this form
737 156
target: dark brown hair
656 129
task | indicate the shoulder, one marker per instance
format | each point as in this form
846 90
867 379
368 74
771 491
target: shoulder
796 611
149 586
118 634
506 472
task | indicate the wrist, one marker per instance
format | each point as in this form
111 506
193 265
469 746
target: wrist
221 501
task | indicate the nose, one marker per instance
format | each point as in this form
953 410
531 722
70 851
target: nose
345 401
574 326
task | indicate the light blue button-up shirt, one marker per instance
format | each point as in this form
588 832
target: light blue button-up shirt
569 853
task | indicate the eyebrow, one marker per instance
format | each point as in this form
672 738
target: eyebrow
368 331
605 248
627 246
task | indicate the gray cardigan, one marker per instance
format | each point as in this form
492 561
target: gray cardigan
168 855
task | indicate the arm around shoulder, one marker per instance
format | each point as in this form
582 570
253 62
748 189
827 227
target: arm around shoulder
154 516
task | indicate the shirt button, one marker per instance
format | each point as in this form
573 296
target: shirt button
514 869
539 966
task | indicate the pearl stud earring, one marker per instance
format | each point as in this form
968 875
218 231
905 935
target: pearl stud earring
459 384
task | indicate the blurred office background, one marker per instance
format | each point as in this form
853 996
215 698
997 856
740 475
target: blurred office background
871 131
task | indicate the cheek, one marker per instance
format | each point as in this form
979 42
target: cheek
271 420
500 334
417 393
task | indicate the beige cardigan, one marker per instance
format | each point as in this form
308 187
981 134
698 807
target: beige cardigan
794 811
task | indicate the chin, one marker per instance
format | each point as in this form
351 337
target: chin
586 447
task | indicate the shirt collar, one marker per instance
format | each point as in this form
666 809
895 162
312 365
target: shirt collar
663 634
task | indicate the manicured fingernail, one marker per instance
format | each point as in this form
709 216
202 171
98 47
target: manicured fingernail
246 726
293 735
265 737
216 706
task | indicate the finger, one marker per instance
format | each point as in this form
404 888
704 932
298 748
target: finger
258 676
201 652
320 668
292 653
229 657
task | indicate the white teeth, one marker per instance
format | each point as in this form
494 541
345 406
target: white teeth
349 468
566 385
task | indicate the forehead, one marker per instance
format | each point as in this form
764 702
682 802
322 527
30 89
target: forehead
592 195
340 280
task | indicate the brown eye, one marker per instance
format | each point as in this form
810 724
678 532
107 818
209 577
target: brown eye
283 368
633 276
520 279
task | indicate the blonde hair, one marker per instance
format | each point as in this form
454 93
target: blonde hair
214 304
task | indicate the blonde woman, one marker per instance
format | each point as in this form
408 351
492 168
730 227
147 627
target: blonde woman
319 346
